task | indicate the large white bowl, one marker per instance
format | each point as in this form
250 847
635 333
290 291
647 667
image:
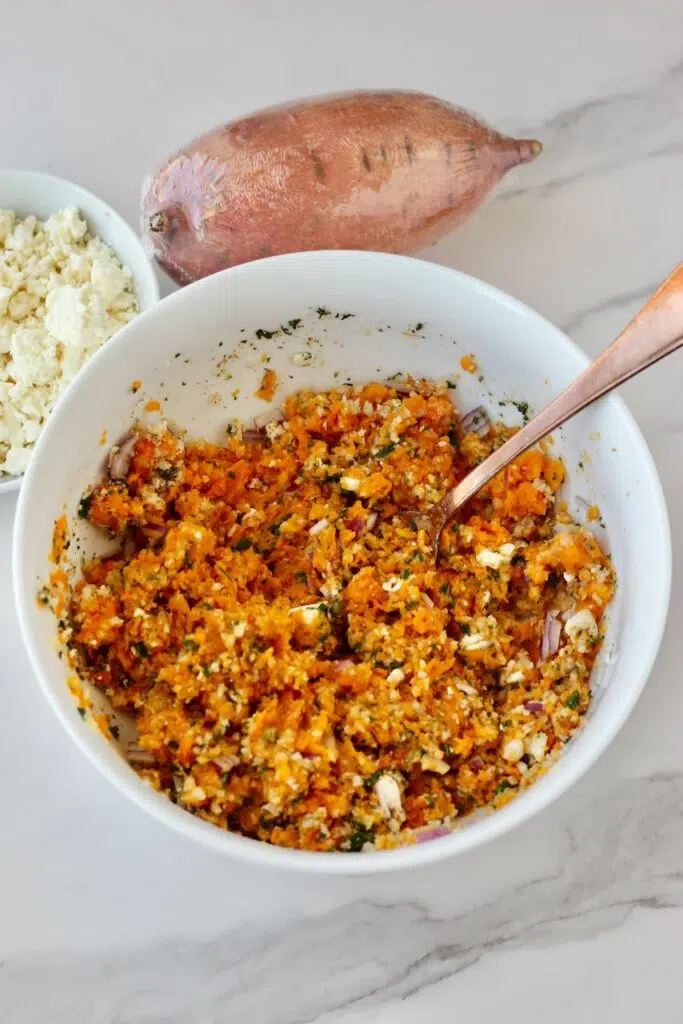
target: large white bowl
28 192
181 351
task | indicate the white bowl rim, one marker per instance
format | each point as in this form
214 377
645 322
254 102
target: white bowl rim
262 854
8 483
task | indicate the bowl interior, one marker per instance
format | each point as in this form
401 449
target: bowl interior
201 353
31 192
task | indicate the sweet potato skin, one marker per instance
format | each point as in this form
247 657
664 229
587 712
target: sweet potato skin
387 171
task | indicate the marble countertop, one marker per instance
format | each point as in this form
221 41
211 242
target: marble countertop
106 917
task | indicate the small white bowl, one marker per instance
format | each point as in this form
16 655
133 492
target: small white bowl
193 338
33 192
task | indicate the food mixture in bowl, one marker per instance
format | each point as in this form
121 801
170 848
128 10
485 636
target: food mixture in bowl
298 666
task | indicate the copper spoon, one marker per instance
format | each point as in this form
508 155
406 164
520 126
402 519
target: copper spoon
656 331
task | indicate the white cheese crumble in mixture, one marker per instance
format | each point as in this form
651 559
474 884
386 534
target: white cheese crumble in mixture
63 294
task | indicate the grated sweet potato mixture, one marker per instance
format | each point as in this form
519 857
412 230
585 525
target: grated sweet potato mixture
299 668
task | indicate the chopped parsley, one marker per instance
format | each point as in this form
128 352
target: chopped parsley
85 505
359 838
501 787
386 450
372 779
523 410
573 700
260 333
140 649
321 311
243 544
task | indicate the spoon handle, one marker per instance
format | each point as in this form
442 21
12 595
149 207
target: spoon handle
654 332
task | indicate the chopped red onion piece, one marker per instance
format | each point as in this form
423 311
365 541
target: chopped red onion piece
251 436
227 763
121 456
433 833
427 600
129 544
152 532
476 763
550 641
356 525
534 705
143 758
476 422
341 666
360 526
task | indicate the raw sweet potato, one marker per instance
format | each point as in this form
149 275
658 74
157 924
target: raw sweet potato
390 171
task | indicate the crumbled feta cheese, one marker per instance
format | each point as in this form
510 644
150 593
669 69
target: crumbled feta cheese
273 430
389 796
434 764
474 642
349 483
302 358
393 584
239 629
318 527
308 612
582 629
513 751
466 688
494 559
396 676
63 294
537 746
515 676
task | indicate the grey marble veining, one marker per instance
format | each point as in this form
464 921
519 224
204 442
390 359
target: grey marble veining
621 855
105 917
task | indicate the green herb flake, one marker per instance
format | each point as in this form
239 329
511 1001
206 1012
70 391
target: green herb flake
84 506
260 333
189 644
523 409
81 712
386 450
502 786
301 577
140 649
573 700
371 780
243 544
294 323
321 311
359 838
